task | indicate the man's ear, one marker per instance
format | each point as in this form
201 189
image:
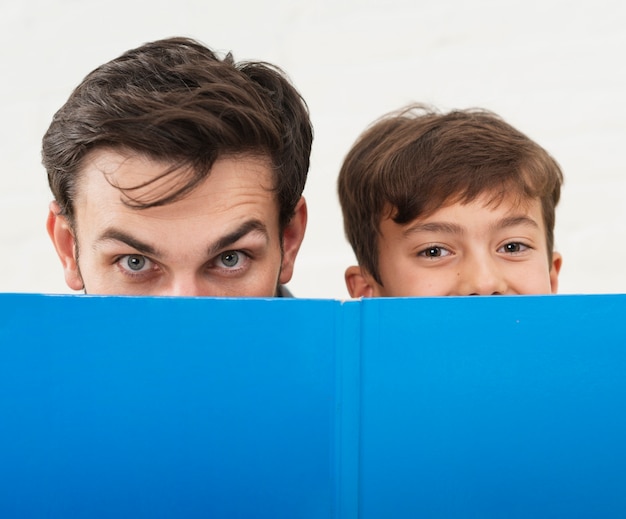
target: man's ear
293 234
557 261
62 236
359 283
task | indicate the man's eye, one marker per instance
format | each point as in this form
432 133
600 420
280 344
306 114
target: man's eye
135 263
230 259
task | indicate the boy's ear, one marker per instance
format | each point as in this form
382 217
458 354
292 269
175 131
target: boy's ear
359 282
555 268
62 237
292 237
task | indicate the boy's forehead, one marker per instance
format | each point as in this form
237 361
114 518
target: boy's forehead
509 202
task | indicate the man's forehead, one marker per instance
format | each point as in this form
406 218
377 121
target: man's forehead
143 180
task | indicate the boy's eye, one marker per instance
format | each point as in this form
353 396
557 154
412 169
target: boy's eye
435 252
513 247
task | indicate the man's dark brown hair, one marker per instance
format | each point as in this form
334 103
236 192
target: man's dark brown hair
176 101
410 163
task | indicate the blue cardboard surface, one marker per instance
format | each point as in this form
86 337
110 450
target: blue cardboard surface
132 407
494 407
432 407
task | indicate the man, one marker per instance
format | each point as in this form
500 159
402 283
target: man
176 172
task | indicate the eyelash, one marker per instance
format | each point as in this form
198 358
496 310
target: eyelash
423 252
523 247
245 257
135 274
446 252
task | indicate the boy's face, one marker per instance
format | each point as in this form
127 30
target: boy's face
463 249
223 239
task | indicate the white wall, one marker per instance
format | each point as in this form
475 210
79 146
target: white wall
553 68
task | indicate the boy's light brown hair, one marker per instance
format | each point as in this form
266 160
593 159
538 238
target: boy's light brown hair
408 164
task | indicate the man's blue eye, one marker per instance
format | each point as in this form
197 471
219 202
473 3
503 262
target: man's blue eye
136 262
230 258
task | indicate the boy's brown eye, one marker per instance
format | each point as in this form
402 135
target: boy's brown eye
512 247
435 252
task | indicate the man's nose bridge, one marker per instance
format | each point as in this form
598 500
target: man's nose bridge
186 284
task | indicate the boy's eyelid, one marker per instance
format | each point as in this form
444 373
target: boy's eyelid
430 244
423 249
524 244
523 239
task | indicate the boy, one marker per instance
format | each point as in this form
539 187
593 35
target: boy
176 171
449 204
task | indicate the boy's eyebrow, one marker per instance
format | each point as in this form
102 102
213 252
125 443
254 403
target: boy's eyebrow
444 227
454 228
249 226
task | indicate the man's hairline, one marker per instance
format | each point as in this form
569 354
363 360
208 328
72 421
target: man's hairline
128 152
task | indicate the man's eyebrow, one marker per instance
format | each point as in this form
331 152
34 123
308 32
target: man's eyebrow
241 231
442 227
112 234
223 243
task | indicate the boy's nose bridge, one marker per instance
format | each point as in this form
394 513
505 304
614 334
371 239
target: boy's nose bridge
481 275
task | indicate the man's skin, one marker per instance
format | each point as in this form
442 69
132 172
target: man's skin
222 239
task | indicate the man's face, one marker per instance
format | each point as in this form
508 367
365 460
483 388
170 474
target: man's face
222 239
463 249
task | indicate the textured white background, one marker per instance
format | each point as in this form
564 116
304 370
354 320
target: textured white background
553 68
